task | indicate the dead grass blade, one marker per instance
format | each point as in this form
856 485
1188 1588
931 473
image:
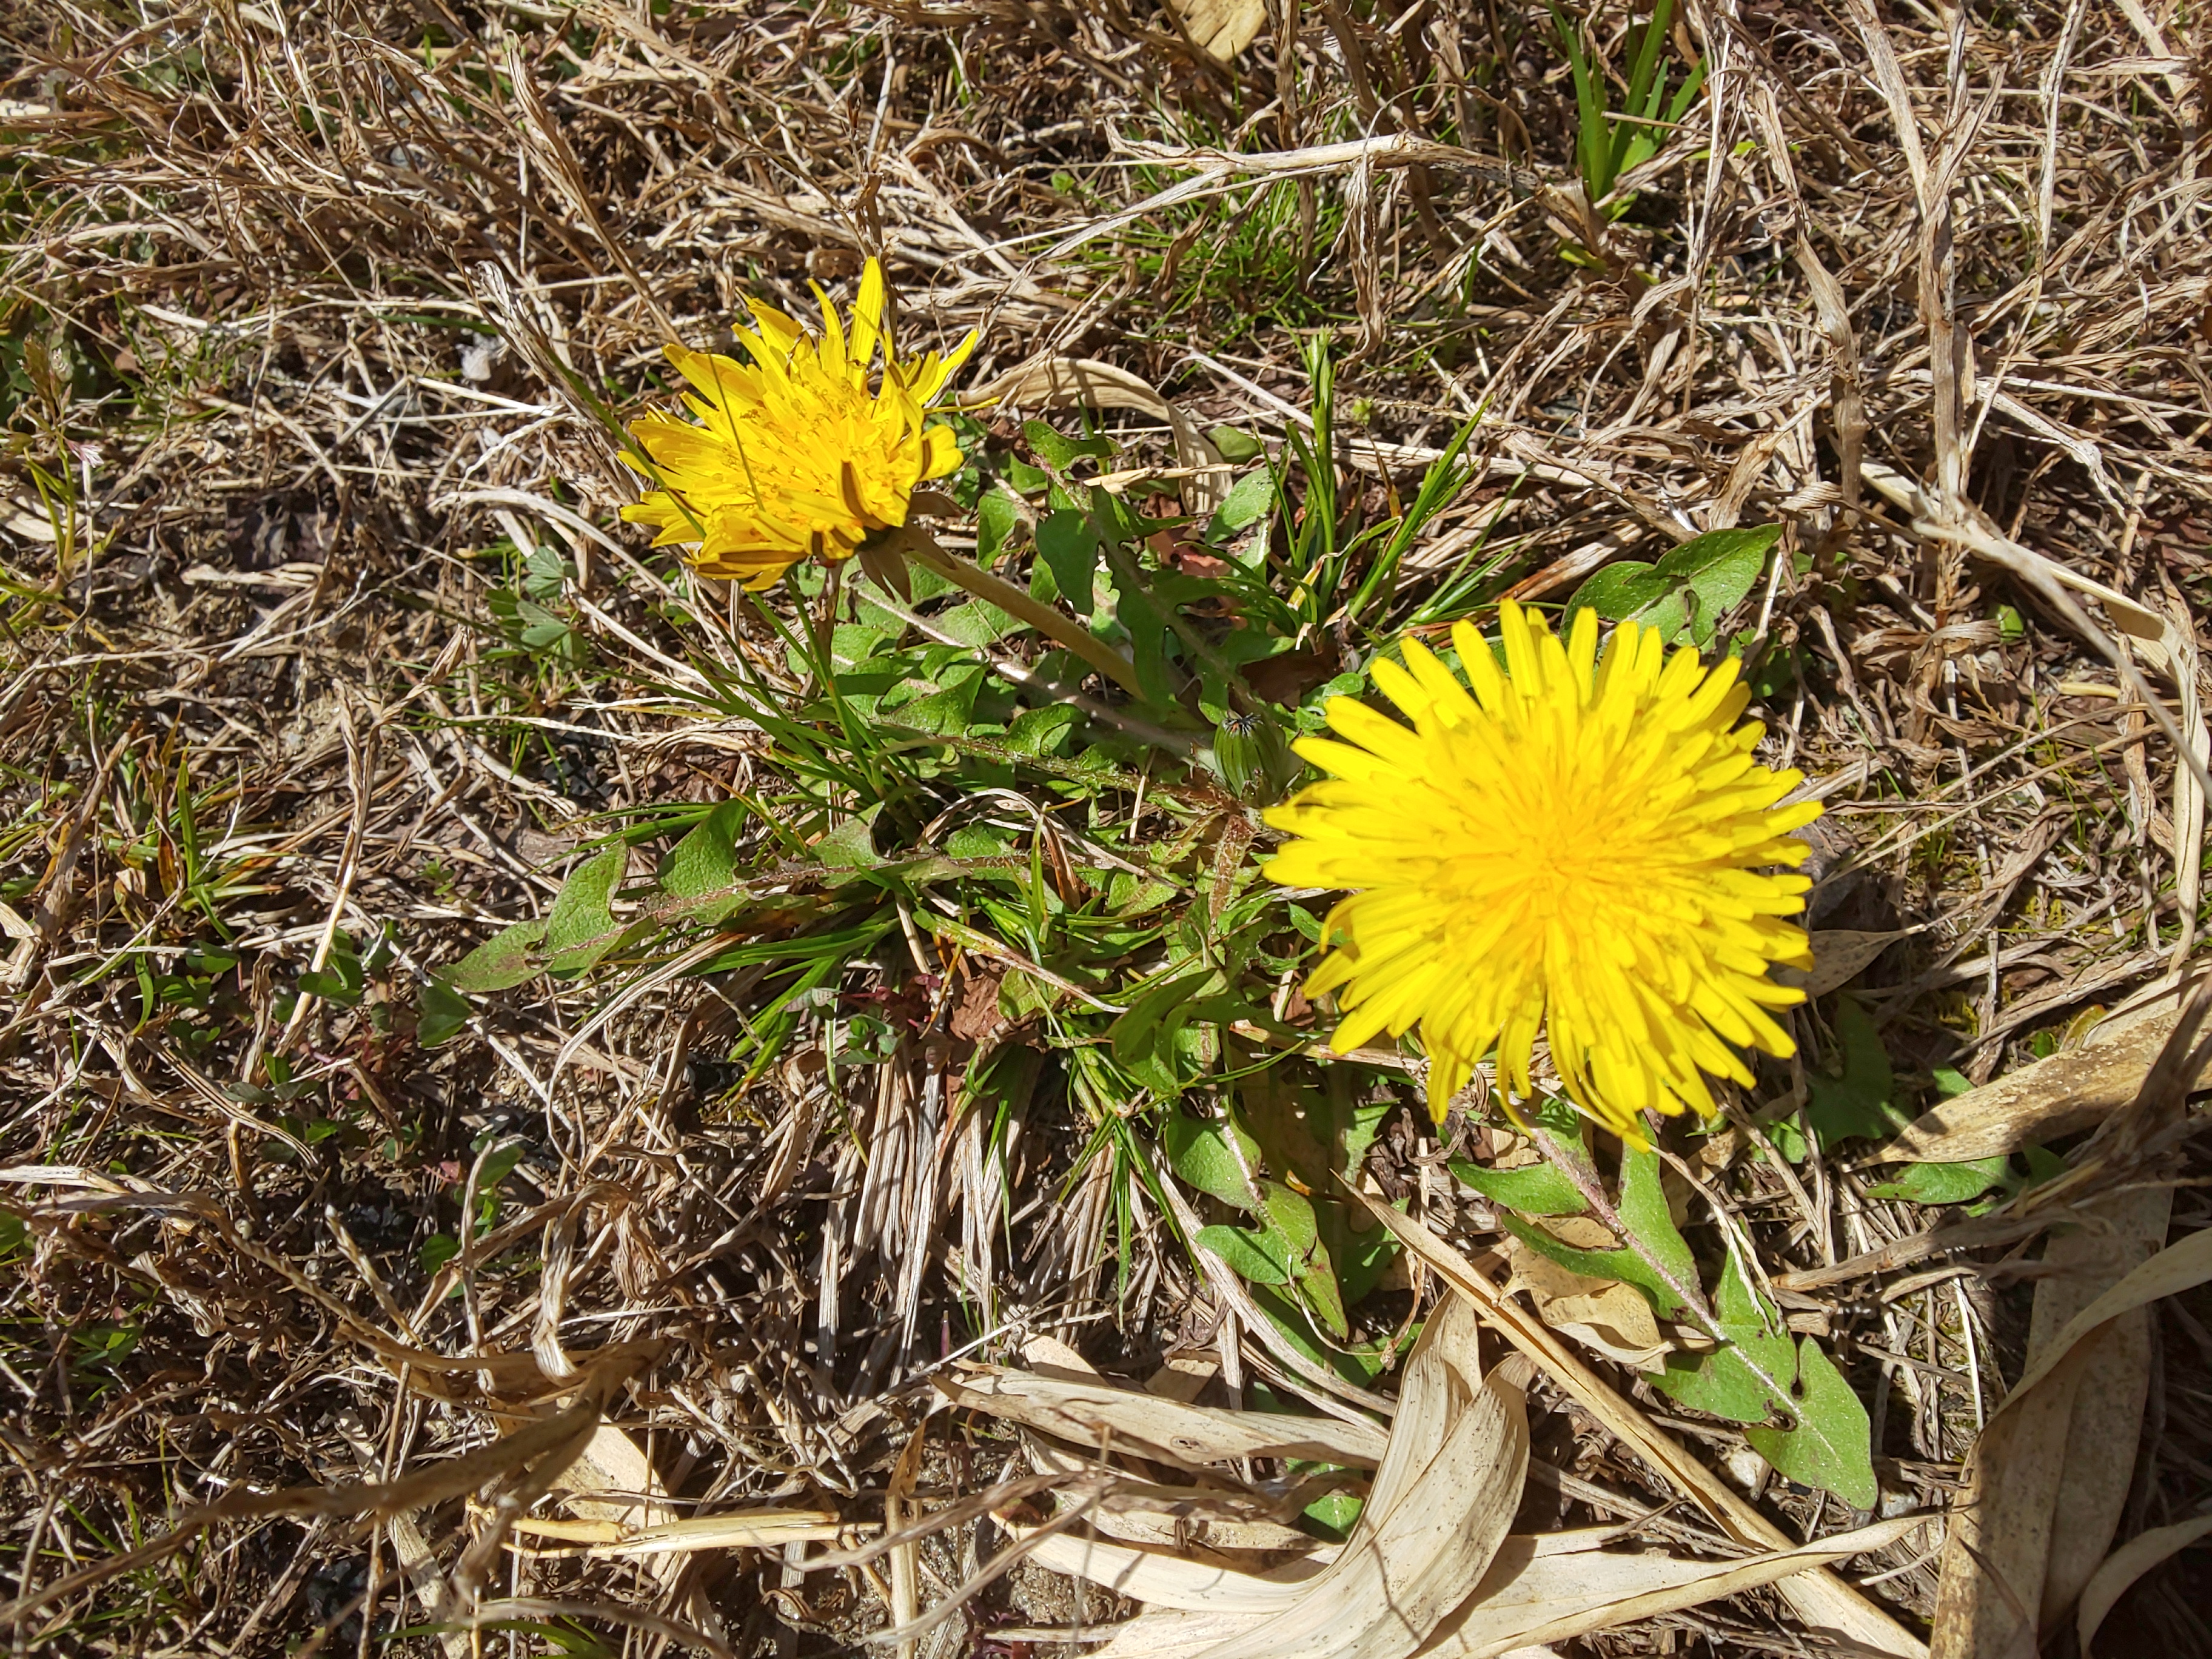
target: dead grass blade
2048 1488
491 1614
526 1462
1441 1501
2077 1088
2124 1566
1534 1598
1538 1589
1819 1598
1149 1426
1839 956
2004 1545
767 1528
2155 637
1055 382
1219 170
1160 1578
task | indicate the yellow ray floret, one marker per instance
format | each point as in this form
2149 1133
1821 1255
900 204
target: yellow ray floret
1585 847
793 455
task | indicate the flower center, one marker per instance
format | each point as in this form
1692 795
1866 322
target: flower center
1554 858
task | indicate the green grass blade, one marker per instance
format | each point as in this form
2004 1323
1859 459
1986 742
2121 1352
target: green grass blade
1594 146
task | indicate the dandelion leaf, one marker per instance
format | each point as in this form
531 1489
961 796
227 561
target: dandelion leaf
1295 1218
1217 1158
1632 590
507 958
1292 1215
1858 1100
1831 1446
1059 451
1799 1413
1248 498
948 710
1043 730
581 927
1069 547
1749 1379
977 624
1316 1129
996 518
1260 1255
1654 1251
1145 1038
705 862
1148 645
1716 571
441 1012
851 845
1361 1257
1538 1189
1626 1265
1643 1210
1947 1183
1686 592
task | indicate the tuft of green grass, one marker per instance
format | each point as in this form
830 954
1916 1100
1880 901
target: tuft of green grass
1609 141
1228 268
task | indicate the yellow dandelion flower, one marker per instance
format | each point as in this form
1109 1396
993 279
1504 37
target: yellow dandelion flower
792 455
1583 846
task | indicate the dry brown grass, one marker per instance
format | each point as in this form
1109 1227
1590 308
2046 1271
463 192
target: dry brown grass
1929 289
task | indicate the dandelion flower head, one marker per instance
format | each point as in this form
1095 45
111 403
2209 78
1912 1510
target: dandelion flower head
793 454
1585 846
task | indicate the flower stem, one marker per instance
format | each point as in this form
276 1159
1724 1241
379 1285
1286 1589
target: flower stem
922 548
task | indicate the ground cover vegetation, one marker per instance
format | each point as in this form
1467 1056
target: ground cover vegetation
600 1059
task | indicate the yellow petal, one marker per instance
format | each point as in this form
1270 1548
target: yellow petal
1584 849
